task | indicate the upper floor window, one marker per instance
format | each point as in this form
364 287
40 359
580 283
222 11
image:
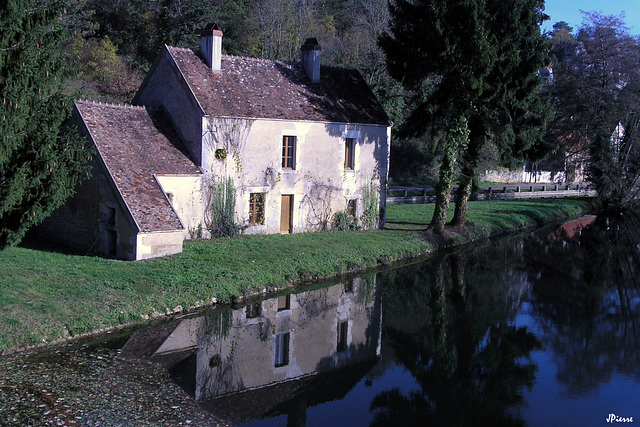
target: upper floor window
284 302
289 152
342 336
254 310
349 153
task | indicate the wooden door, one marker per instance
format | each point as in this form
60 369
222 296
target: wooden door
286 213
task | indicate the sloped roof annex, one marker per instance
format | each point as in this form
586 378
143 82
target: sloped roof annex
268 89
136 144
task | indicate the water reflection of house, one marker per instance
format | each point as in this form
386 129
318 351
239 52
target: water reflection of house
276 356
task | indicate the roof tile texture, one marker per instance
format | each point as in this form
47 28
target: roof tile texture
267 89
135 144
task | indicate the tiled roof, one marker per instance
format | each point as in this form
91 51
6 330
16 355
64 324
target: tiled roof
259 88
135 144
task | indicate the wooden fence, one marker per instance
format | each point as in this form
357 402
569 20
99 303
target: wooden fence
397 195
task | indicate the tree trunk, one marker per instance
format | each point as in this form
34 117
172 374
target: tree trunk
443 194
462 197
465 183
457 138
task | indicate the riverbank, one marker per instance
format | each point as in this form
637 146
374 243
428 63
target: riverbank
48 296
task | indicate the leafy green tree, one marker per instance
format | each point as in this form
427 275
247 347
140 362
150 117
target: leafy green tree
471 59
597 95
39 163
96 63
139 28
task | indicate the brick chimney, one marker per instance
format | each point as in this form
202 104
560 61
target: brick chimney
311 58
211 47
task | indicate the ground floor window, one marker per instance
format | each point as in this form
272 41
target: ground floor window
112 242
256 208
351 207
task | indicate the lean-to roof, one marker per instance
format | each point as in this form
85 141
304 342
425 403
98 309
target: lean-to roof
135 144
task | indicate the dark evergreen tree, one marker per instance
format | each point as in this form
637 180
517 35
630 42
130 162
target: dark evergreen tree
475 60
39 163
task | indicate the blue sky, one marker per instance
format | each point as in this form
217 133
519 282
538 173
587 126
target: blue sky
569 11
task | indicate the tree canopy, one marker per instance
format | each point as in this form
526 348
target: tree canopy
471 59
597 102
39 163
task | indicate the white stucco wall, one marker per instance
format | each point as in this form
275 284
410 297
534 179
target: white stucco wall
319 183
184 192
158 244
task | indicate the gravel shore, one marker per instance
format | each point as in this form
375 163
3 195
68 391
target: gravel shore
67 387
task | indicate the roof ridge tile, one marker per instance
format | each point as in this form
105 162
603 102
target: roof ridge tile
111 104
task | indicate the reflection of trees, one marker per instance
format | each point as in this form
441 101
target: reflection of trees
586 290
460 348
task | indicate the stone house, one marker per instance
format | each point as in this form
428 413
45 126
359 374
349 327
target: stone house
299 142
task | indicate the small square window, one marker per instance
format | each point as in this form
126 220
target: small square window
282 349
289 152
254 310
284 302
256 208
349 153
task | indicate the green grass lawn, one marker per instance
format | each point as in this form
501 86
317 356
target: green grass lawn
46 295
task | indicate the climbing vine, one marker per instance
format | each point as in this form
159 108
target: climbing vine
221 202
370 205
454 142
229 136
318 197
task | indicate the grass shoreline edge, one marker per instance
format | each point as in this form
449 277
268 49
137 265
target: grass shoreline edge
49 298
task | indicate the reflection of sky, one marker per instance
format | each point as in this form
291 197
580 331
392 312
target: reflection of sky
354 408
548 403
351 410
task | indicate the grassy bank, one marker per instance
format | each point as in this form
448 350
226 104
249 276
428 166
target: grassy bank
45 295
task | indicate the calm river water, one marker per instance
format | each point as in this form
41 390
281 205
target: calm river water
539 330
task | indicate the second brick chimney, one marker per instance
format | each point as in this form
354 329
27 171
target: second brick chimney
311 58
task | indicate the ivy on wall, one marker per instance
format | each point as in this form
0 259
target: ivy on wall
370 205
